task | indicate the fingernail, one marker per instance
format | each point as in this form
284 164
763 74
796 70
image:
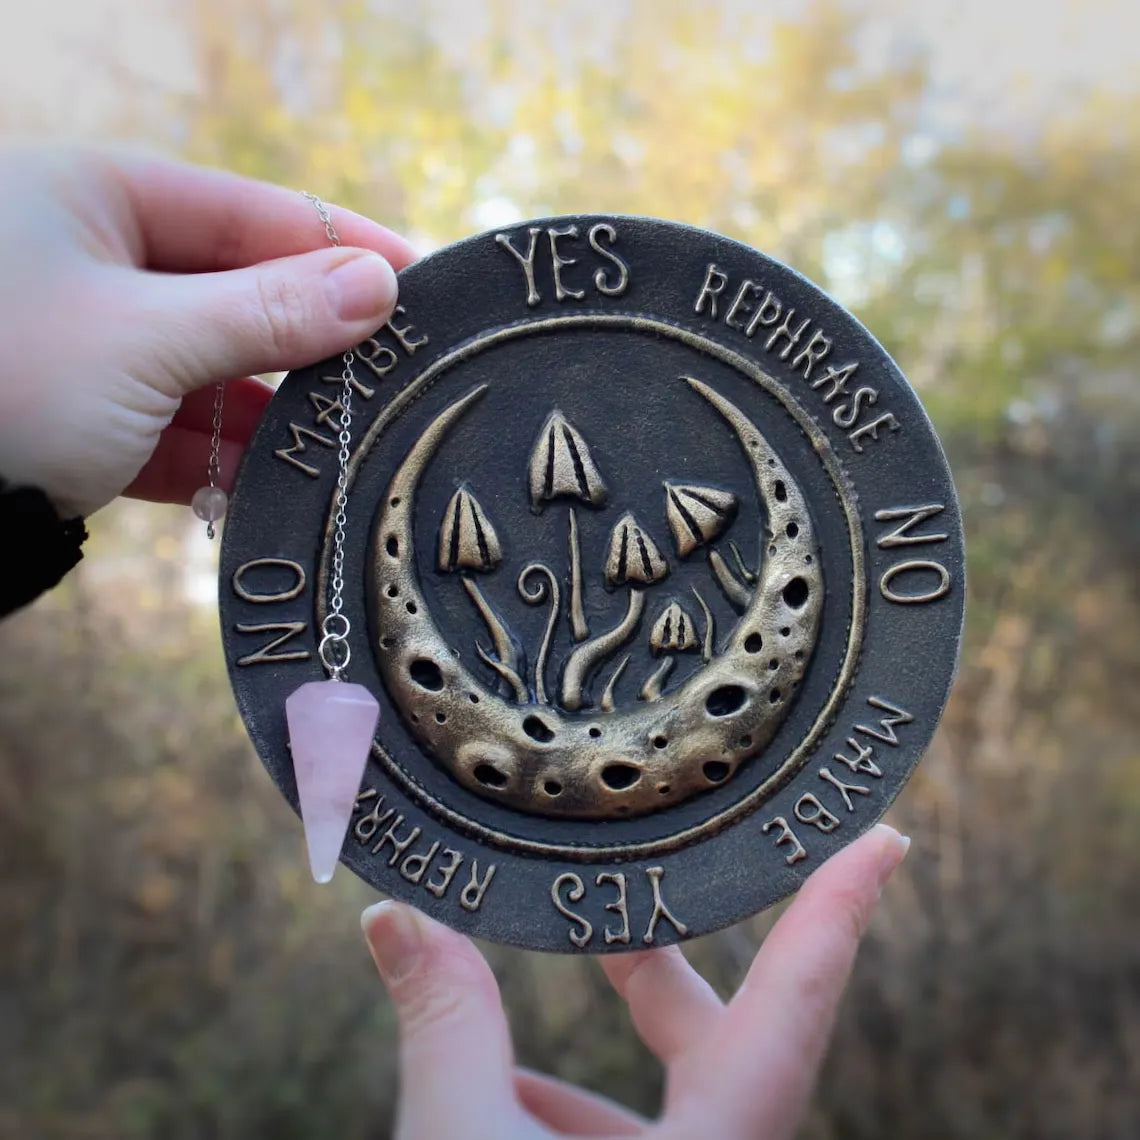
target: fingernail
893 852
362 288
394 938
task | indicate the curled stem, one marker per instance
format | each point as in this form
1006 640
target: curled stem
533 596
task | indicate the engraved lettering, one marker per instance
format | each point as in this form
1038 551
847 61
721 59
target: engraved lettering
917 566
811 354
526 261
620 906
471 897
289 454
376 356
414 867
809 810
367 825
837 379
295 570
912 517
845 415
600 281
787 835
404 333
266 655
711 288
845 790
767 315
327 408
886 730
446 873
785 330
861 761
740 303
575 894
872 429
399 846
561 292
660 910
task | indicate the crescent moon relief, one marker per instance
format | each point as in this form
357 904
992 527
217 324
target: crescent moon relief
533 741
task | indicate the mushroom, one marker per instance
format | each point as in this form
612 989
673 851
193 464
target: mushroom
633 556
561 467
467 540
635 561
672 633
698 515
469 545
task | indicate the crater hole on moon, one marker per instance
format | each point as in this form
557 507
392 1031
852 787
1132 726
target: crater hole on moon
660 742
753 643
426 674
392 546
552 788
537 729
796 593
716 771
490 776
781 491
620 776
725 700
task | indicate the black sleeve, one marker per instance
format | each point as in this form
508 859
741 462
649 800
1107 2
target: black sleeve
38 547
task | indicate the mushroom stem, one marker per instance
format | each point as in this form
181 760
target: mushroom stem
737 593
655 684
507 664
578 625
590 654
710 627
607 703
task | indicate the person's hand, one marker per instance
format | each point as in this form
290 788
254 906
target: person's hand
741 1071
128 285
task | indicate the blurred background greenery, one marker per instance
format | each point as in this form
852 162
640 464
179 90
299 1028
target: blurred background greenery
966 177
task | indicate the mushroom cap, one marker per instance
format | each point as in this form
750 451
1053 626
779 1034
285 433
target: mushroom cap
697 514
673 631
467 540
633 556
561 465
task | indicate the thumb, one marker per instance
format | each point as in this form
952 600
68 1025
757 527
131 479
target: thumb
455 1052
266 318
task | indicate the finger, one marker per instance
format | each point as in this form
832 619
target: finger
776 1028
192 219
455 1050
268 318
574 1111
180 465
671 1005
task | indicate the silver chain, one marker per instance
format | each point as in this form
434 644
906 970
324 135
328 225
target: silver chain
334 650
214 464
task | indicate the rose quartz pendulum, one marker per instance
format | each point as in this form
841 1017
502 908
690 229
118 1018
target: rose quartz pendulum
331 725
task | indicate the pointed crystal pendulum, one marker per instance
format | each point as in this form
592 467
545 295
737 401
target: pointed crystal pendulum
331 725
